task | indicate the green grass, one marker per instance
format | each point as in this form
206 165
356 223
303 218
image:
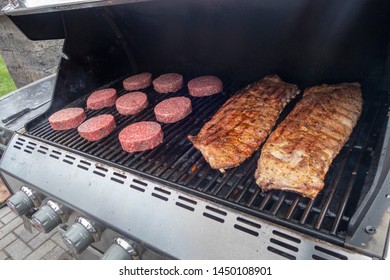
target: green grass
6 83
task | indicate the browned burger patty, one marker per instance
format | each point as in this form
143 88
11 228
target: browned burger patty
173 109
166 83
132 103
97 127
141 136
242 124
137 82
67 118
297 155
101 99
205 86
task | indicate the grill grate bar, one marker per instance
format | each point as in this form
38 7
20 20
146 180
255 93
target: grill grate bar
210 183
352 180
199 165
340 173
278 204
40 130
292 208
253 197
235 187
180 167
306 213
265 201
183 149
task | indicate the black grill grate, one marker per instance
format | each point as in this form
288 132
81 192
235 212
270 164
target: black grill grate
177 163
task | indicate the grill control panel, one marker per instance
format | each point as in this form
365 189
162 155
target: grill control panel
121 250
80 235
49 216
23 201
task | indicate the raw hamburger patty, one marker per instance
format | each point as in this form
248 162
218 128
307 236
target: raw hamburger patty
138 81
173 109
132 103
101 99
166 83
67 118
97 127
141 136
204 86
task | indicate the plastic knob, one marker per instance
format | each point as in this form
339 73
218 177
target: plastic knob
22 201
120 250
80 235
48 217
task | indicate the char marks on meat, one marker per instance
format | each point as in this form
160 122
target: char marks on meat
242 124
298 154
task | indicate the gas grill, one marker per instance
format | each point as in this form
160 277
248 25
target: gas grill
168 199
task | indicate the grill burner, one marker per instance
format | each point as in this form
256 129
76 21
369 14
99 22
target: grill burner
177 163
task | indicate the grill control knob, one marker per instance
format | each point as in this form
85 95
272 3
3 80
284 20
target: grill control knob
80 235
23 201
120 250
48 216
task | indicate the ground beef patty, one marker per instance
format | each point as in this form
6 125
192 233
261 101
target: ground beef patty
204 86
67 118
101 99
138 81
166 83
141 136
97 127
173 109
132 103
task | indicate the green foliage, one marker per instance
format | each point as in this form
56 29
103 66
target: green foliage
6 83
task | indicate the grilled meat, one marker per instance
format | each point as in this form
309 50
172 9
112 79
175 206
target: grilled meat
297 155
242 124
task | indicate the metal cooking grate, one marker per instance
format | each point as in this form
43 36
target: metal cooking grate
177 163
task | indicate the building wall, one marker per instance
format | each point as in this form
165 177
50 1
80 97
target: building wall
27 60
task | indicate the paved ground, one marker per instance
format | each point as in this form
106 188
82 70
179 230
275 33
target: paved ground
16 243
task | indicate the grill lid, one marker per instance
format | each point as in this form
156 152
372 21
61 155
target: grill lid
25 7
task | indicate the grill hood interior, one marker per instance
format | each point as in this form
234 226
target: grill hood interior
305 42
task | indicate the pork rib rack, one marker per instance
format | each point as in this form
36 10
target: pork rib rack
298 154
243 123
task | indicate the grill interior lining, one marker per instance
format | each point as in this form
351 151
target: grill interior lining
177 163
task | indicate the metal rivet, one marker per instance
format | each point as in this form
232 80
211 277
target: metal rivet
370 230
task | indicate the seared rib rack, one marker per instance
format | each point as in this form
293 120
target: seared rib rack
243 123
298 154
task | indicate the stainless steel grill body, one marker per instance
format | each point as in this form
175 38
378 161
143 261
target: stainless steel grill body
169 198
